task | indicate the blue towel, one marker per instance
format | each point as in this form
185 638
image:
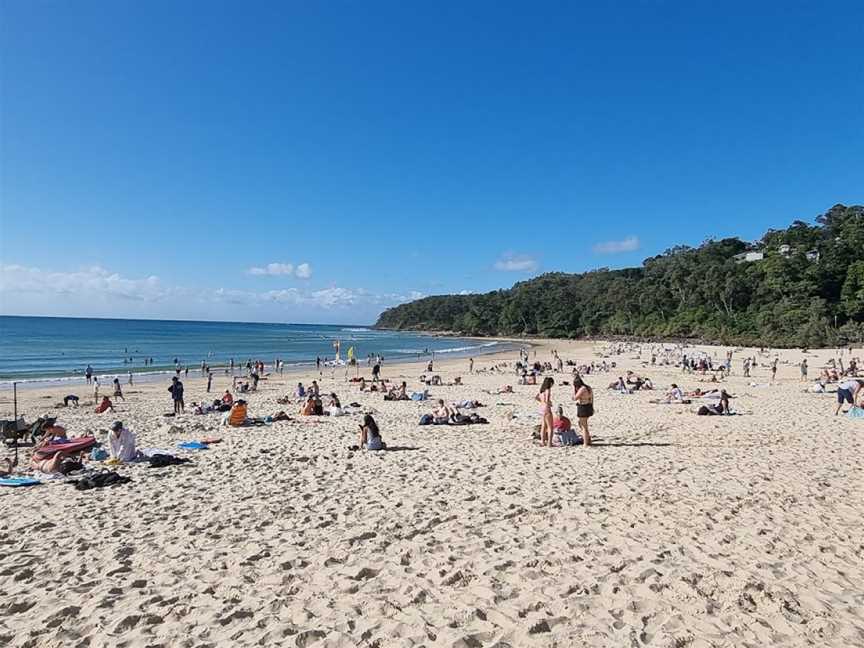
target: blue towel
193 445
15 482
856 412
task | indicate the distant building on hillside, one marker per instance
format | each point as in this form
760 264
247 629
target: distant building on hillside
749 257
812 255
785 250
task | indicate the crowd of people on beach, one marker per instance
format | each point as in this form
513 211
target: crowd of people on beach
555 428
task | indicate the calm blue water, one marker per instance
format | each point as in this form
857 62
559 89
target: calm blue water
36 348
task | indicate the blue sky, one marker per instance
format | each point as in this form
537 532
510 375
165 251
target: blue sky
316 162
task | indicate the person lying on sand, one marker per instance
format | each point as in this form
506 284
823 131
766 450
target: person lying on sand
370 435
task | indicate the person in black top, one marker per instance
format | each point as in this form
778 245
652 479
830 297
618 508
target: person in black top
176 391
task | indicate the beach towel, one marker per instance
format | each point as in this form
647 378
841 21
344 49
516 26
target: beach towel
856 413
193 445
16 482
418 396
426 419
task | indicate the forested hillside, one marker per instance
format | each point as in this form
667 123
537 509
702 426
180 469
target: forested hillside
807 290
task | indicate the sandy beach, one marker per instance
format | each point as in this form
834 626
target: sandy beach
673 530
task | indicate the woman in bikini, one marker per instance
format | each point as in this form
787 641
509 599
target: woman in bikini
545 400
584 397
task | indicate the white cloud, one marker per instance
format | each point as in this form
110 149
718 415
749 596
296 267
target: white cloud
628 244
516 263
95 281
301 271
98 292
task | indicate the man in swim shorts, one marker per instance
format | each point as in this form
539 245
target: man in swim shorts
846 393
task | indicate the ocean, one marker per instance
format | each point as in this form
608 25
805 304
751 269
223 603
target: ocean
52 349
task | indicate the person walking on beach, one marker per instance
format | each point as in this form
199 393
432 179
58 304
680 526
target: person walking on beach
118 393
545 400
376 370
804 370
584 397
176 390
774 369
471 365
209 380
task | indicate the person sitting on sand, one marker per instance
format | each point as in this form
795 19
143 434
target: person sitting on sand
314 390
362 384
334 407
71 398
506 389
121 443
300 392
238 414
443 414
227 398
105 406
561 423
308 407
675 394
370 435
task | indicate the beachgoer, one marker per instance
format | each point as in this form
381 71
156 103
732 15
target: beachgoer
209 380
300 392
370 435
176 391
238 414
95 389
376 371
545 400
443 413
121 443
88 374
846 392
118 392
584 397
71 398
105 406
308 408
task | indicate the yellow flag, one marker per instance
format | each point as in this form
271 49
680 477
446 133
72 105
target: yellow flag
351 353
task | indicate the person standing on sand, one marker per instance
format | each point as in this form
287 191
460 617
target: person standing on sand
471 365
95 390
774 369
804 370
846 391
584 397
176 390
376 370
209 380
88 374
545 400
118 392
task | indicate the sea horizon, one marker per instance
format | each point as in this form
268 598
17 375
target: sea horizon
38 349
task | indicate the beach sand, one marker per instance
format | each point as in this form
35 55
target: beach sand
674 530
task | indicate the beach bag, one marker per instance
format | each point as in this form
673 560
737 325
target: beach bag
426 419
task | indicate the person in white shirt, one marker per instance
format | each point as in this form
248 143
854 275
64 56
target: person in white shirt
121 443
